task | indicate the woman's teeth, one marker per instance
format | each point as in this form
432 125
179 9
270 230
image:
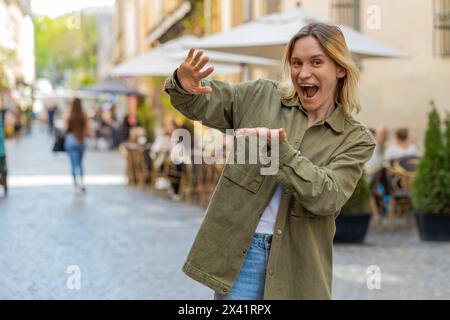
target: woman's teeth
309 89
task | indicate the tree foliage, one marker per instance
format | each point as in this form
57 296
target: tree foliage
6 58
430 190
359 199
195 22
446 174
66 48
147 118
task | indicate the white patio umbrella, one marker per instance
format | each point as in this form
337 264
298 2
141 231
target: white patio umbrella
162 61
268 36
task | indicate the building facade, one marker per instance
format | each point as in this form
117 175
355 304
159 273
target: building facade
394 92
397 92
16 42
17 59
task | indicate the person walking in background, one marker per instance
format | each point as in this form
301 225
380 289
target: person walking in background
77 129
17 114
402 147
51 114
3 169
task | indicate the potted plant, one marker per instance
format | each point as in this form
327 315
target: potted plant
431 189
353 221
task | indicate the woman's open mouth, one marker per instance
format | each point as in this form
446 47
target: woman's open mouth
309 90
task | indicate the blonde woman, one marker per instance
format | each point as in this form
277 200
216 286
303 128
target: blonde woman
271 237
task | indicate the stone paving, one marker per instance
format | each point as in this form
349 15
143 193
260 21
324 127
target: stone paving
126 243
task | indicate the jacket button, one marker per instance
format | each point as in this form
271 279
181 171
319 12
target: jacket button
224 290
279 232
271 272
244 251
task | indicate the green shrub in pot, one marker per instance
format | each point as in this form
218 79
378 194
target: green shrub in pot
359 200
430 192
431 189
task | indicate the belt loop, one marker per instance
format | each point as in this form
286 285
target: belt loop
268 241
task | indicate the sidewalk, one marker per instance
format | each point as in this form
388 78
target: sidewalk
129 244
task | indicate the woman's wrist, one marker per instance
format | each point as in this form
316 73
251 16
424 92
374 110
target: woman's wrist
177 81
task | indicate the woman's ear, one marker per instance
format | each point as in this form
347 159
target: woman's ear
341 72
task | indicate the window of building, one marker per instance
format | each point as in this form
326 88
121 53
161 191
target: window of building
273 6
346 12
441 32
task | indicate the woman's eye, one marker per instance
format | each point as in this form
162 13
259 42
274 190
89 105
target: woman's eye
316 62
296 63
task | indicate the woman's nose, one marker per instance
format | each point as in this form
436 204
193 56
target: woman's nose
305 72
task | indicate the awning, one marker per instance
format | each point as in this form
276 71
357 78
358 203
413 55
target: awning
268 36
112 87
162 61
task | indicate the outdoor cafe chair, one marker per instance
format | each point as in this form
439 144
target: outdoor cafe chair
402 174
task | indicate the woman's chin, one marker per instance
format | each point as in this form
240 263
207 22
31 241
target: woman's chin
309 106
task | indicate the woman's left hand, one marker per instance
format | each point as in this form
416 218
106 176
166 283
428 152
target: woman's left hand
269 133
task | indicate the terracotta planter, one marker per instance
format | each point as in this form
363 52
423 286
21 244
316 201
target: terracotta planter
433 227
352 228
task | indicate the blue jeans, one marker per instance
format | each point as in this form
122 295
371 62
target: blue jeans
76 152
249 284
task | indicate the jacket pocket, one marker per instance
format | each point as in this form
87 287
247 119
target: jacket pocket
240 176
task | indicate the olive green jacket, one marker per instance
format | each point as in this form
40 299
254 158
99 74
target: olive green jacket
318 169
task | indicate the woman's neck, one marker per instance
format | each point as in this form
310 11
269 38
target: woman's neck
314 118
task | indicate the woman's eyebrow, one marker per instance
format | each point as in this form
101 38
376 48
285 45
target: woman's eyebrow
312 57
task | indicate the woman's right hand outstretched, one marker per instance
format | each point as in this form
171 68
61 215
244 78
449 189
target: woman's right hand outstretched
190 73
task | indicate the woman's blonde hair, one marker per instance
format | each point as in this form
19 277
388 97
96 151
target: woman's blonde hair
333 43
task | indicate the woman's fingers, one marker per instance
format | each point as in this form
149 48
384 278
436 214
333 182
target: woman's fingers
198 63
197 57
190 72
202 63
268 134
251 131
206 73
190 55
264 132
282 135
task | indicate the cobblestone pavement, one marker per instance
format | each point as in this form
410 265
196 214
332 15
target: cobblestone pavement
129 244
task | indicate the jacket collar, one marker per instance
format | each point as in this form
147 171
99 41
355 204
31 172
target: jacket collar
336 120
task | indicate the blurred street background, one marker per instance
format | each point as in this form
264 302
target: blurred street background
126 229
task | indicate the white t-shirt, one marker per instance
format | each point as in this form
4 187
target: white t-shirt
394 151
269 216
